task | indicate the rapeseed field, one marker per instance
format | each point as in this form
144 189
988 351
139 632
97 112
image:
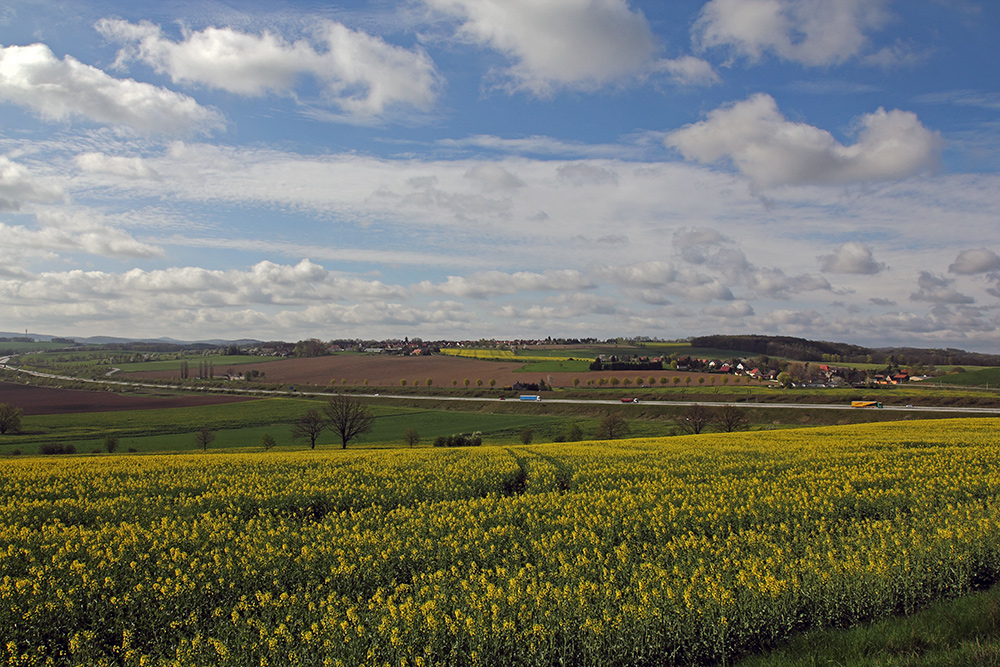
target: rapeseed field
630 552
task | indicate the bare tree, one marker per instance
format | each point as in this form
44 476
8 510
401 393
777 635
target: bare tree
204 438
310 425
111 441
10 418
527 434
613 426
731 418
695 419
348 418
411 437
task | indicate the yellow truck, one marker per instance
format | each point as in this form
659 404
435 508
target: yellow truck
865 404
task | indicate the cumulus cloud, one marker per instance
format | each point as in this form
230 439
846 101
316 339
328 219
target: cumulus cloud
731 310
770 150
776 284
116 165
644 274
654 281
852 258
583 174
976 260
792 321
573 44
182 288
689 71
32 77
811 32
362 317
71 234
937 289
18 186
494 177
361 74
485 284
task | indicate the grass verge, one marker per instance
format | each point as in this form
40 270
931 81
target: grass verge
963 631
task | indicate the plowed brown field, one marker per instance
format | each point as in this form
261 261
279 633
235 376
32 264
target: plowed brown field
52 401
388 371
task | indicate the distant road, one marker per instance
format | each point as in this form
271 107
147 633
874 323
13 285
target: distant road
4 361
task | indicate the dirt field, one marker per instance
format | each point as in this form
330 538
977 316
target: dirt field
51 401
387 371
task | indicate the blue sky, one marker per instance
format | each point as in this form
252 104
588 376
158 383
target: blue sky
502 168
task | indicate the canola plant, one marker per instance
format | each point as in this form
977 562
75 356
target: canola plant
631 552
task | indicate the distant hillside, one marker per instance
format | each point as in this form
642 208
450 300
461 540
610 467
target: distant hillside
811 350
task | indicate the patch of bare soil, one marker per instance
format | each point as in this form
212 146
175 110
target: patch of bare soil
36 400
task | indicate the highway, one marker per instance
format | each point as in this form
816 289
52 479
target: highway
4 361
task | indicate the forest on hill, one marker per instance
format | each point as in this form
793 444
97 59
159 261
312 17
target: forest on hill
802 349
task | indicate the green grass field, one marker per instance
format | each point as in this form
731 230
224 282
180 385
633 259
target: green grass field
986 377
241 425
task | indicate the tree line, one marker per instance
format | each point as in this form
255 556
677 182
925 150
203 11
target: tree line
809 350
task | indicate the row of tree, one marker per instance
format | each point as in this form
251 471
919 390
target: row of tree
696 418
344 416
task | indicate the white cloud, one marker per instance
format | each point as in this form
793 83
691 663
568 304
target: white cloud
730 310
976 260
363 318
182 288
687 237
574 44
644 274
32 77
811 32
776 284
361 74
898 55
539 145
772 151
789 321
18 186
689 71
494 177
485 284
654 281
937 289
115 165
583 174
71 232
852 258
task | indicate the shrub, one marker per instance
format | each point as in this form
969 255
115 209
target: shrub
459 440
10 418
574 434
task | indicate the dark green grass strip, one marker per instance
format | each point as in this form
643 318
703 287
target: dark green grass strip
964 631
